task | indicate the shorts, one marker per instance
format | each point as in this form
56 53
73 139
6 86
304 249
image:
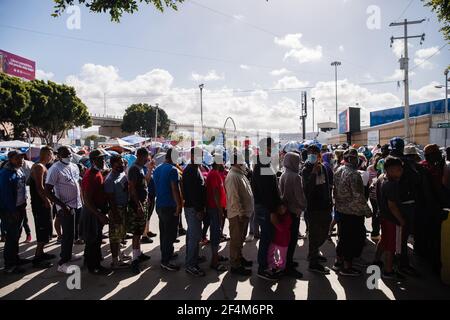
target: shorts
135 224
42 222
389 236
118 231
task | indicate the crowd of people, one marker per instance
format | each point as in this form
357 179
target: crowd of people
335 188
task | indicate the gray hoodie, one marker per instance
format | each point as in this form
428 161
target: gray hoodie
291 186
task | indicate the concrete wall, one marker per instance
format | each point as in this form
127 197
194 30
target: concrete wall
113 131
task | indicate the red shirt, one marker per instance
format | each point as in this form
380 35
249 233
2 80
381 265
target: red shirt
283 231
93 183
214 181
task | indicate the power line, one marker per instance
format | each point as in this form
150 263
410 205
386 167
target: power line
404 10
429 57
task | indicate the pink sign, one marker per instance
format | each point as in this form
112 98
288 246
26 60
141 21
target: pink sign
17 66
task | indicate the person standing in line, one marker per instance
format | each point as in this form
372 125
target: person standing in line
293 197
42 208
13 203
63 188
116 192
168 207
351 204
137 189
93 215
194 194
240 205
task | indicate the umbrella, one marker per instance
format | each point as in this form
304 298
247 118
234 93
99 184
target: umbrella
291 146
14 144
135 139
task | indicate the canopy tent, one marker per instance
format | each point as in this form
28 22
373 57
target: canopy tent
135 139
116 142
14 144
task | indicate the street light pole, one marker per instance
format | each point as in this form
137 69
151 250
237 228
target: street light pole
156 121
446 94
313 127
336 64
201 107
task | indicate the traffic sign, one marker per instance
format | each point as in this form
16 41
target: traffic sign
444 125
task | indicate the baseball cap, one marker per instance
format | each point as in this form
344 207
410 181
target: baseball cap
15 153
410 150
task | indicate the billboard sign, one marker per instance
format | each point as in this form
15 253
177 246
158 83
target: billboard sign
344 123
349 120
17 66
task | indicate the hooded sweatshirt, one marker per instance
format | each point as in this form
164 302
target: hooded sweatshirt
291 186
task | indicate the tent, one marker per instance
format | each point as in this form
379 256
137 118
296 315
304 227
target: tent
116 142
14 144
135 139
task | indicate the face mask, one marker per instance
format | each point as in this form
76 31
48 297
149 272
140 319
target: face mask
312 158
66 160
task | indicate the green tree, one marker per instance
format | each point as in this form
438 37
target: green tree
14 104
141 117
442 9
55 109
115 8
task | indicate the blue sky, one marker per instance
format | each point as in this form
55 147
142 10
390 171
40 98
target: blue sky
231 46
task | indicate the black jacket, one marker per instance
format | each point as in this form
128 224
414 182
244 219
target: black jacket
265 188
318 197
194 188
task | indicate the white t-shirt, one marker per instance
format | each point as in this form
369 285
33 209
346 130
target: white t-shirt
65 179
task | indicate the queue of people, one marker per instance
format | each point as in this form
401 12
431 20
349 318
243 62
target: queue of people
337 188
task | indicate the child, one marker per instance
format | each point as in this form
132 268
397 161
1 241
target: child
276 257
387 191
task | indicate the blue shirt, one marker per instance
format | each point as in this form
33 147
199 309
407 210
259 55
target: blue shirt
163 176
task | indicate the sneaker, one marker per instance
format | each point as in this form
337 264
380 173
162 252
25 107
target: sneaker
181 232
170 266
151 234
63 268
100 271
250 238
146 239
246 263
47 256
337 265
142 257
28 239
350 272
268 275
319 268
293 273
135 268
241 271
14 270
119 265
392 276
195 271
41 264
21 262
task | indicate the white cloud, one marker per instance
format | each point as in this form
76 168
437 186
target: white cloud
341 48
398 48
244 67
298 51
421 55
238 16
210 76
289 82
399 75
427 93
280 72
42 75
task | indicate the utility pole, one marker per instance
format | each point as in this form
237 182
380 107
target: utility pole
304 113
201 107
335 64
404 65
446 94
104 103
156 121
313 127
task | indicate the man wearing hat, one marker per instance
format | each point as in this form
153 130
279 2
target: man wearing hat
13 203
93 215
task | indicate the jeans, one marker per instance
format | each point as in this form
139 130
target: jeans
12 222
375 219
193 237
215 229
319 225
262 215
168 230
294 239
68 232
